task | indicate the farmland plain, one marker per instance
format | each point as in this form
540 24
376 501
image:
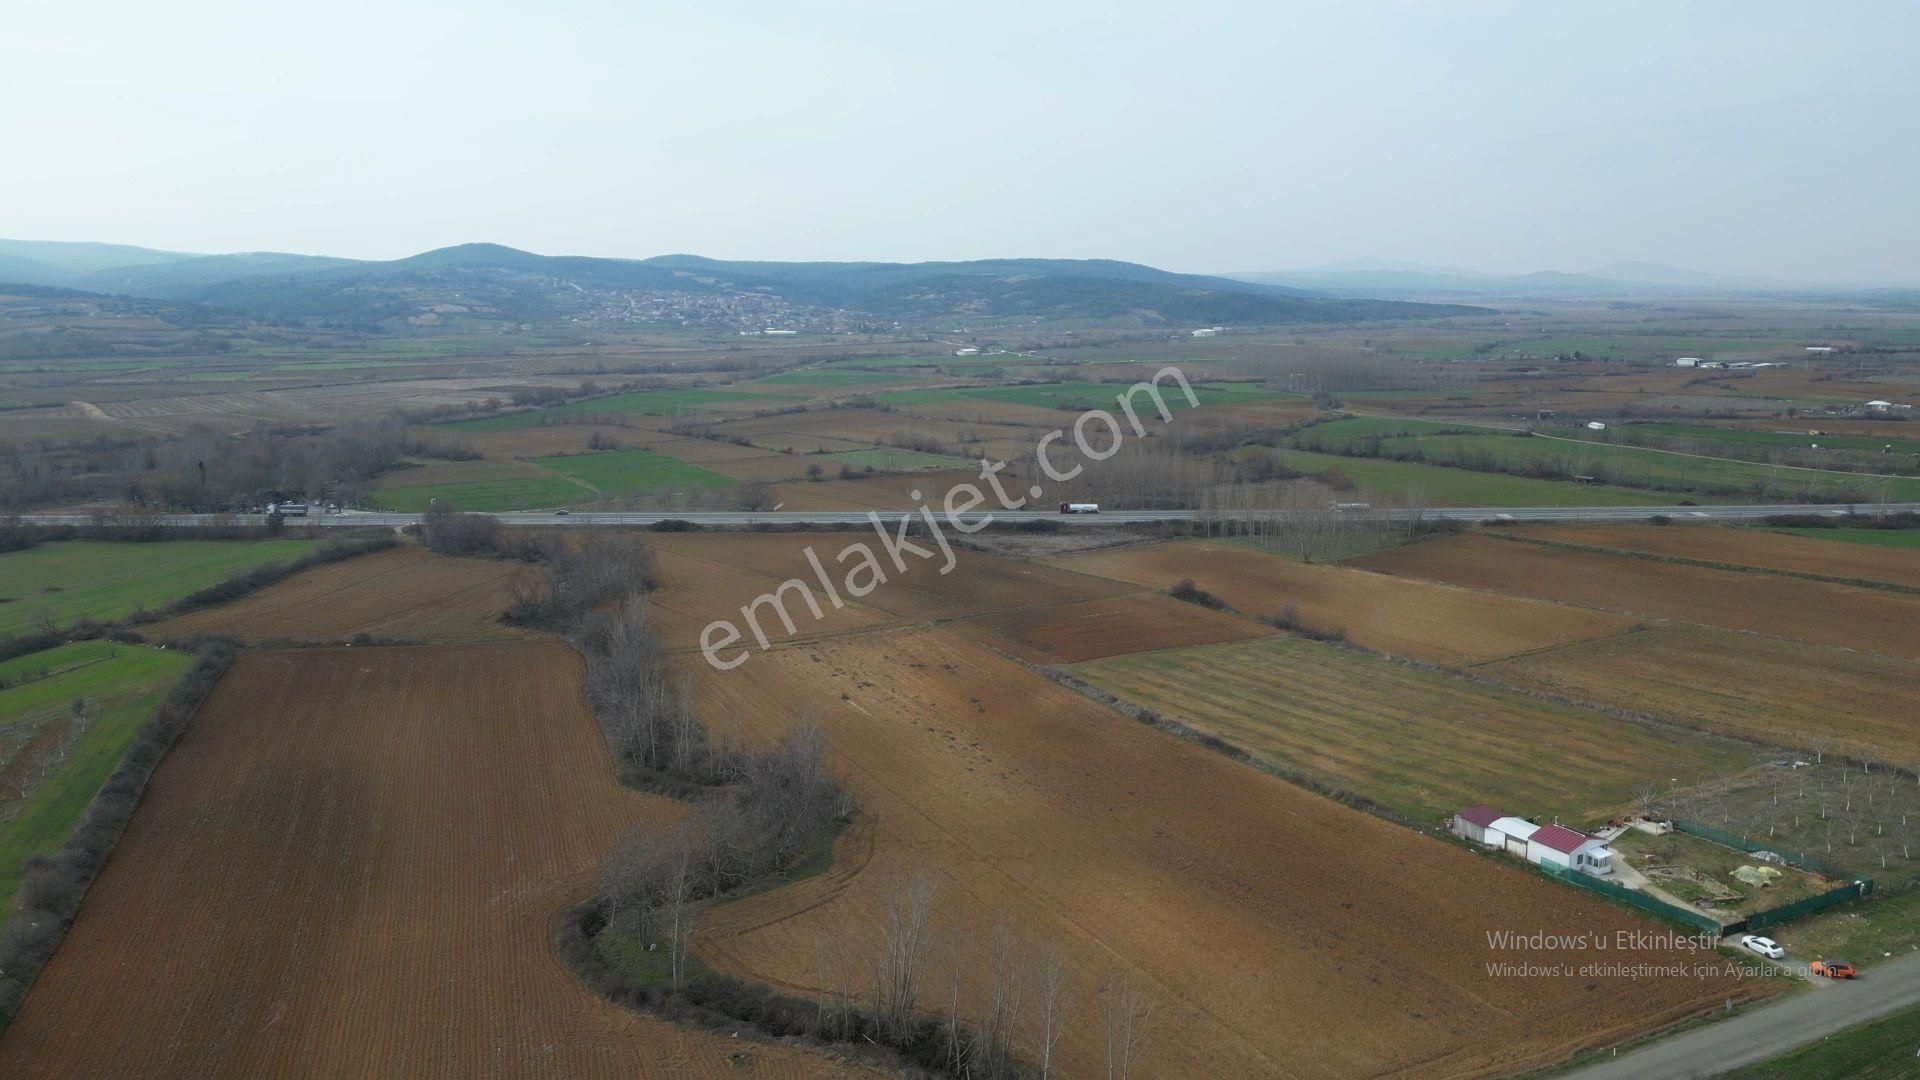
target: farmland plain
1758 548
1421 743
1790 693
403 592
1870 620
359 857
70 580
1029 804
53 757
1445 486
620 471
1414 619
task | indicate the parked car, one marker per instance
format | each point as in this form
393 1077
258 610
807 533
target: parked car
1765 946
1834 969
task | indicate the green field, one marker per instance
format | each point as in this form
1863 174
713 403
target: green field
1083 395
1463 487
621 471
1640 346
638 403
892 459
484 496
833 377
1884 1049
1499 450
1418 742
121 684
1784 440
97 579
931 360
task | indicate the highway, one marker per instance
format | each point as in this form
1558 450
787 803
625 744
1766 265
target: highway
775 518
1772 1029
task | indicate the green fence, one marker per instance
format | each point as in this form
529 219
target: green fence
1742 843
1789 912
1637 899
1854 889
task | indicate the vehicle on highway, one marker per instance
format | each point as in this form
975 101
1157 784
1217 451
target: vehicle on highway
1765 946
561 513
1833 969
1079 508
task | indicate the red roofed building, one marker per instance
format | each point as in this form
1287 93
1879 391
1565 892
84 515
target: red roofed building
1570 849
1475 823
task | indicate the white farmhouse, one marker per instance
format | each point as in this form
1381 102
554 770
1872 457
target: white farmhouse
1595 425
1569 849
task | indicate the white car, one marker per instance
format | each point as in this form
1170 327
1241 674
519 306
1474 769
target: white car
1765 946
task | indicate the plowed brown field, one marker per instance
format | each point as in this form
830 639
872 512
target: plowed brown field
1072 632
1279 933
1867 619
1039 613
403 592
352 865
978 583
1784 692
1406 618
1747 547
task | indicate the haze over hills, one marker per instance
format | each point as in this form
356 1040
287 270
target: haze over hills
1399 278
490 282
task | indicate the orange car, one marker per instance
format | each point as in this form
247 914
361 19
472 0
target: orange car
1833 969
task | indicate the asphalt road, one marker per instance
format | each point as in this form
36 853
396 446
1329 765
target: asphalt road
1491 514
1770 1030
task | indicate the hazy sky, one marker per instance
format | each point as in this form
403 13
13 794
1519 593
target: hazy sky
1754 138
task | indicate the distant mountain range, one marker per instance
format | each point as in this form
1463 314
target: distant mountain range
492 283
1619 280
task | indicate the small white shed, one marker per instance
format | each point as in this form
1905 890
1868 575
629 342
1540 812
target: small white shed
1513 834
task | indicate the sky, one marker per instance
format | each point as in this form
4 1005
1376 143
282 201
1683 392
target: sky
1752 138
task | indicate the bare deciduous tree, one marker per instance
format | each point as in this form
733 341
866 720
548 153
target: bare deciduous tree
1000 1026
1125 1009
906 902
1053 998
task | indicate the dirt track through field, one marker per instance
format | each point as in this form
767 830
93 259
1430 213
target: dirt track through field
353 864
